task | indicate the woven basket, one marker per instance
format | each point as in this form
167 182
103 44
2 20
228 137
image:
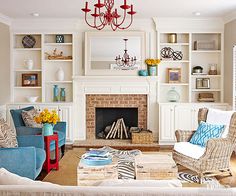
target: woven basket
142 137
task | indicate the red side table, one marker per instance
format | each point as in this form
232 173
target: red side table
51 164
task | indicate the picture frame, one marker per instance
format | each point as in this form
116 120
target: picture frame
30 79
174 75
202 83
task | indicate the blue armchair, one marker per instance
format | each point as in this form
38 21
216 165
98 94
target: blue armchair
26 160
21 129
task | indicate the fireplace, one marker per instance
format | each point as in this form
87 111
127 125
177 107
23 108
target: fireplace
103 109
105 117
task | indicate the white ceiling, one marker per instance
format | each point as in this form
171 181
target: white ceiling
144 8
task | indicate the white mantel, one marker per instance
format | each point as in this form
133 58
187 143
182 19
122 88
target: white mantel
114 85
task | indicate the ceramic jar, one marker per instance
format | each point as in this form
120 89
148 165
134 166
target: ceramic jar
60 74
29 64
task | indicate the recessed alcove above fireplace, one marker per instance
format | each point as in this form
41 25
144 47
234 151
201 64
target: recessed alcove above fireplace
107 108
106 117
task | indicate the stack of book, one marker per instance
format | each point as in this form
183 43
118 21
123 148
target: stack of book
96 158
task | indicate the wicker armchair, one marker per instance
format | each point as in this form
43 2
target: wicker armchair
216 158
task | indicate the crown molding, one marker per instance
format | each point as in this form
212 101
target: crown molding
183 24
5 19
228 18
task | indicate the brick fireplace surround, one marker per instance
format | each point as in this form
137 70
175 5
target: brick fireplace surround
116 101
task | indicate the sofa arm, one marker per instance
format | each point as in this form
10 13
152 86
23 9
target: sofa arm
183 135
31 140
21 161
60 126
28 130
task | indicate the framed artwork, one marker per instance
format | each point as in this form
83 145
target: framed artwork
202 83
30 79
174 75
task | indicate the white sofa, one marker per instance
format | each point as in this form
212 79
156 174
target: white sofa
13 185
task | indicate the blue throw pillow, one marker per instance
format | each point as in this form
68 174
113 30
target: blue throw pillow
205 132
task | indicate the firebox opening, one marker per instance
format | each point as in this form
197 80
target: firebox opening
107 116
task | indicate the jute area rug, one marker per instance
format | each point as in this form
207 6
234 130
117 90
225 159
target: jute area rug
67 173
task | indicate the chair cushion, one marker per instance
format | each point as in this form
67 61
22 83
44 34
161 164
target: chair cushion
190 150
7 136
205 132
16 116
40 157
28 118
219 117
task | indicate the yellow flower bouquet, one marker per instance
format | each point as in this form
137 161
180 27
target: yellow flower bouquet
152 62
48 119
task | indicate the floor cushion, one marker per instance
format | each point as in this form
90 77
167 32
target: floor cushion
190 150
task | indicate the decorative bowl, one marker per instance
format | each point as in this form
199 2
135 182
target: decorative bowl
143 72
32 99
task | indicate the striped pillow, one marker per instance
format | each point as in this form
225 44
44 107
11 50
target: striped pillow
7 136
205 132
28 118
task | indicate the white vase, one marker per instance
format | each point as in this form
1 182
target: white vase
29 64
60 74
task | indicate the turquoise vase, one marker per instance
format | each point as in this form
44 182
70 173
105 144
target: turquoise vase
152 70
63 94
47 129
55 93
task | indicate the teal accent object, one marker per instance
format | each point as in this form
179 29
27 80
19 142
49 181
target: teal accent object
63 94
205 132
143 72
55 93
47 129
96 160
152 70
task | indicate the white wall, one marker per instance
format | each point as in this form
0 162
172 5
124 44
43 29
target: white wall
230 41
4 64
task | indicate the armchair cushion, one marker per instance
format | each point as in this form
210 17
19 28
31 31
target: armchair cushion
28 118
40 157
16 116
190 150
219 117
7 136
205 132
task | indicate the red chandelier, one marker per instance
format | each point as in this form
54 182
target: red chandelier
101 18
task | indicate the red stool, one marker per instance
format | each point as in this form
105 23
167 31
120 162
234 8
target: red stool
51 164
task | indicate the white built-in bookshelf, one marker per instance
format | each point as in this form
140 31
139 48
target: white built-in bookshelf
192 57
44 68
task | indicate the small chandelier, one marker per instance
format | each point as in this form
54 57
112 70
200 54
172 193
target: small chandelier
108 16
126 60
